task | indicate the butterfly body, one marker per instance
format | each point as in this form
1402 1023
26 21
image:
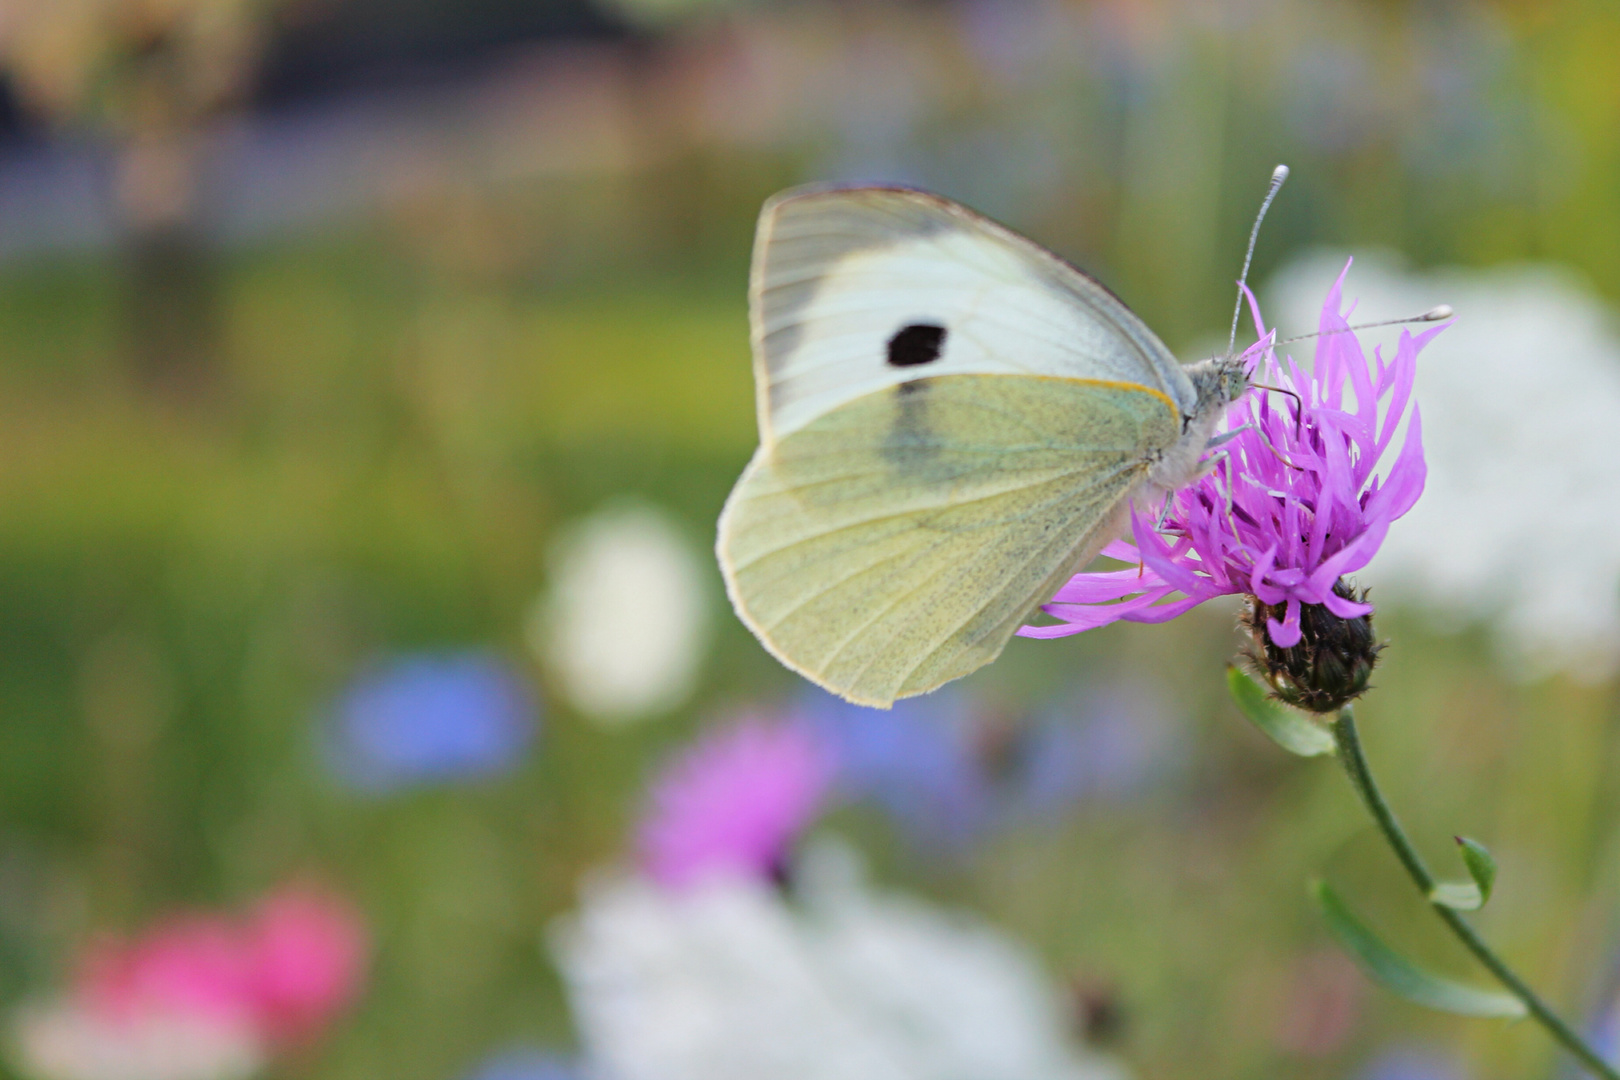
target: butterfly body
1217 382
952 421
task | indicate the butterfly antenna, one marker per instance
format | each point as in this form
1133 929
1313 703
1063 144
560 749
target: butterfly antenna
1278 175
1434 314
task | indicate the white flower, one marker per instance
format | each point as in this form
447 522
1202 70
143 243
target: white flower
65 1041
1520 521
730 981
625 623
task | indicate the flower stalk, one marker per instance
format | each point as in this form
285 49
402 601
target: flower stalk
1296 496
1350 754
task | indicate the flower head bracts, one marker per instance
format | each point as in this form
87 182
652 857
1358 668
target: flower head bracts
1291 502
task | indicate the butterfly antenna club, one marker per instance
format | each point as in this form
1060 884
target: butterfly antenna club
1278 175
1434 314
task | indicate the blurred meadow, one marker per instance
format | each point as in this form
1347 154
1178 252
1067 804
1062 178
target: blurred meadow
345 345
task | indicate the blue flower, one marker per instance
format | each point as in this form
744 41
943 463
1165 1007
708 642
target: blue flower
1413 1063
1603 1028
948 773
525 1063
1108 744
916 760
431 718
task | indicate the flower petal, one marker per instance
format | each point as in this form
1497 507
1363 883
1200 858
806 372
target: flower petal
1285 634
1123 550
1158 613
1343 608
1106 585
1078 617
1406 479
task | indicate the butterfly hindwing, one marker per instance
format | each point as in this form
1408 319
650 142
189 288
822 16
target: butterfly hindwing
897 541
858 289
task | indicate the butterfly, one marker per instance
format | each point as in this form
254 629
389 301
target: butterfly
952 421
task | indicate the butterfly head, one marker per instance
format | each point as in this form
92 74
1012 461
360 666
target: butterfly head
1219 381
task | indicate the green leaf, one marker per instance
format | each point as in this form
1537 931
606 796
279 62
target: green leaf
1288 728
1481 865
1399 974
1457 895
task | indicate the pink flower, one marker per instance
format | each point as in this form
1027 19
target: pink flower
201 996
1292 505
306 954
190 964
735 802
169 1005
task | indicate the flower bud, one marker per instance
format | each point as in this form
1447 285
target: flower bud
1329 666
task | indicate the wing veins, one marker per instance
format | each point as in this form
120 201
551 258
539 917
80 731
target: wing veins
740 566
846 579
941 537
1005 584
849 638
916 553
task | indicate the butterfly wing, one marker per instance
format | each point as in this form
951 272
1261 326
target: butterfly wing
858 289
897 542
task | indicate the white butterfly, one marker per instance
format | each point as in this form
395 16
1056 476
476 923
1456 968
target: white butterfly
952 421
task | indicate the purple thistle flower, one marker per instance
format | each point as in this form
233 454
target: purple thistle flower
1291 504
734 803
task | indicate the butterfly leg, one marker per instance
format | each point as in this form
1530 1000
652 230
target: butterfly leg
1164 511
1212 463
1206 468
1160 527
1211 467
1227 436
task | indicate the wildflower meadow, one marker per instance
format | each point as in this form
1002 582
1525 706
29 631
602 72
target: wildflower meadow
372 380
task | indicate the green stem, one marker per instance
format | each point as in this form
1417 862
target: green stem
1355 763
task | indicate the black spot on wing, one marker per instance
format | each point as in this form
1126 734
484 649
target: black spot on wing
916 344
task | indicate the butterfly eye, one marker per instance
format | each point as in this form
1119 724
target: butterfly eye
919 343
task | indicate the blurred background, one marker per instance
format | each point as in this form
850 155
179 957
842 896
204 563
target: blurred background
372 373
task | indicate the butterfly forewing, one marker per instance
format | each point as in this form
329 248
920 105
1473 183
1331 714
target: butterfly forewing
952 420
857 289
897 542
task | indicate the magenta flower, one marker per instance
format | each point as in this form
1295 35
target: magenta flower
285 971
733 803
1291 504
306 950
201 995
192 965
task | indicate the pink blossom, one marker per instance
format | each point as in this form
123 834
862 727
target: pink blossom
286 970
1292 504
192 964
201 996
734 802
306 952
